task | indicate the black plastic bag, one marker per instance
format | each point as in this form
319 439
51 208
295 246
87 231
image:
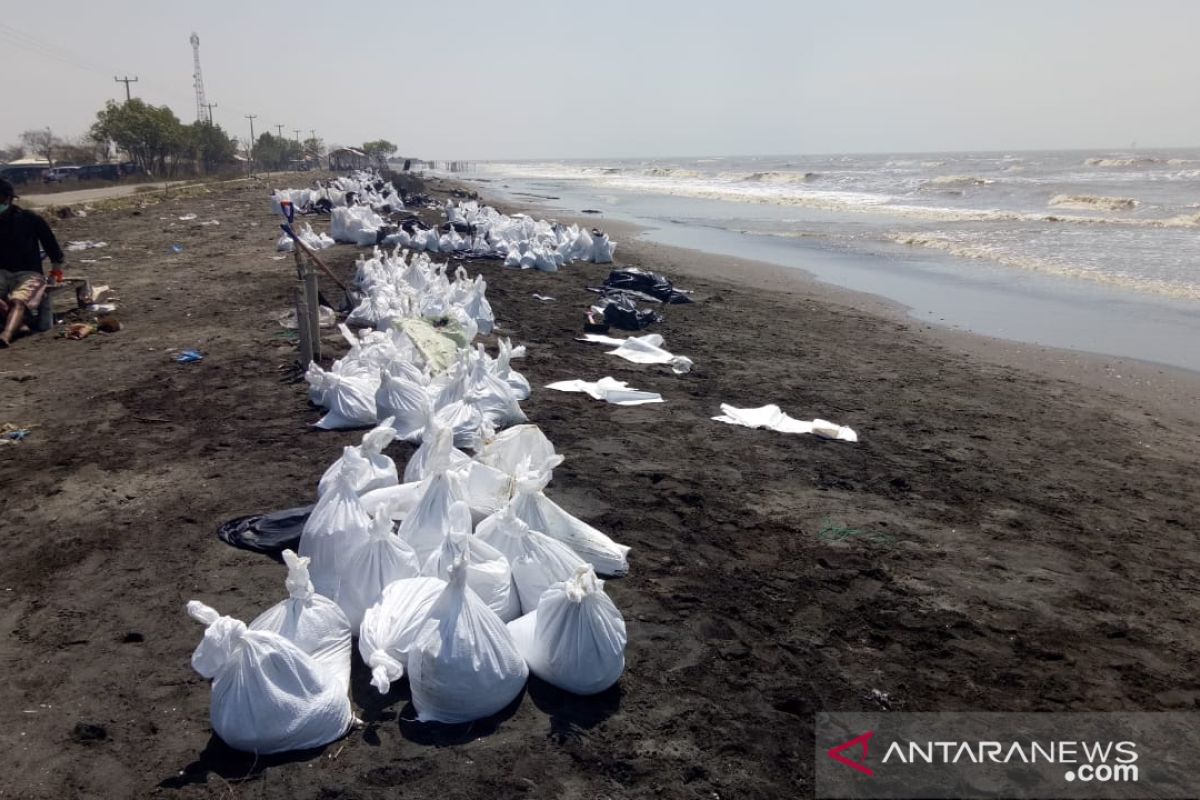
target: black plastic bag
266 533
644 282
621 312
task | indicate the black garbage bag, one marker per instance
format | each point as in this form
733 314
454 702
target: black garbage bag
644 282
266 533
621 312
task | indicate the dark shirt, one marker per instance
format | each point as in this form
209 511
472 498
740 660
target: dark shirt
21 233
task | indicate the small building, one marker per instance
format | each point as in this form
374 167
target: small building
345 159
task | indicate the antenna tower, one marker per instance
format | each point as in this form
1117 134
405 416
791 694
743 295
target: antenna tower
203 114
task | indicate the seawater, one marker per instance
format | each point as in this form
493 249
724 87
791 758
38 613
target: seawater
1091 250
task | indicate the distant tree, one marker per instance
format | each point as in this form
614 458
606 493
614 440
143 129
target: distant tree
40 142
11 153
380 151
152 135
276 152
83 150
210 146
314 148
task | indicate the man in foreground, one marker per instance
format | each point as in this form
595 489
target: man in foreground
23 236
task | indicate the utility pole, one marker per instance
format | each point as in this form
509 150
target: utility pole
210 107
279 128
312 132
297 131
250 149
126 80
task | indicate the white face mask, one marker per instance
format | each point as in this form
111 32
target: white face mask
3 207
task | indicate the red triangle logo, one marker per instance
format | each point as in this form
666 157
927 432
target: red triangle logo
860 742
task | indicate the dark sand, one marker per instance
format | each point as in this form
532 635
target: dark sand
1030 541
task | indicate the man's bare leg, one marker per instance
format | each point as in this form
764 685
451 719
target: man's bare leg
16 316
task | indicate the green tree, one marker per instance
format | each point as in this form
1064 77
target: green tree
151 135
380 151
276 152
314 149
210 146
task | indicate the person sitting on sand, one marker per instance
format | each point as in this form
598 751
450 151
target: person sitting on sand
23 236
20 295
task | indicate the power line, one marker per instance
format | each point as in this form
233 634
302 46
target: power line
279 130
126 80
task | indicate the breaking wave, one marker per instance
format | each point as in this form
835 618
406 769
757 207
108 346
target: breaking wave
1089 202
959 180
1121 162
780 177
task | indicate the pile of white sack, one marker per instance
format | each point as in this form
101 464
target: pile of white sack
458 572
521 241
369 189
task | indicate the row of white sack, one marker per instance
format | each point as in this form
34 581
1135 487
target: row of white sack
504 482
475 394
404 284
282 683
527 243
368 188
311 239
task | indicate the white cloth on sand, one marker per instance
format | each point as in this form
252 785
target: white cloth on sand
610 390
645 349
772 418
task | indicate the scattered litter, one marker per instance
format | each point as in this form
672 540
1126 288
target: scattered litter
95 260
187 218
85 245
278 258
79 330
287 319
642 350
772 418
11 434
102 308
543 297
210 222
189 357
610 390
176 248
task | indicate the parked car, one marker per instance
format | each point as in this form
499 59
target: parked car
19 175
60 174
99 172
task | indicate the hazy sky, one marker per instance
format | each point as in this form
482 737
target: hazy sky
518 79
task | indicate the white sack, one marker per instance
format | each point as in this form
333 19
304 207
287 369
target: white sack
268 695
390 627
369 467
537 561
465 665
542 514
381 560
311 621
576 638
488 573
336 526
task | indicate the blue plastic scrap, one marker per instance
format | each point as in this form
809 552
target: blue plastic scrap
189 357
15 436
177 248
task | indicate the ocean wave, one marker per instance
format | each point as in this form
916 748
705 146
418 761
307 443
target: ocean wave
1121 162
982 252
780 177
959 180
1089 202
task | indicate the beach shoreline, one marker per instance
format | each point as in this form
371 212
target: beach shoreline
997 540
1160 389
